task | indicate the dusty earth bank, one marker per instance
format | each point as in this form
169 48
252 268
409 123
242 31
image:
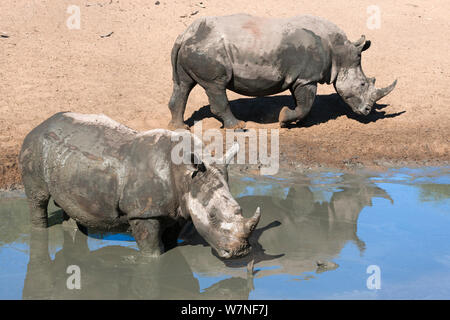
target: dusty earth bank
118 63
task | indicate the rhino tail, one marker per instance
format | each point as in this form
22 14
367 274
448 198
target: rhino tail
174 57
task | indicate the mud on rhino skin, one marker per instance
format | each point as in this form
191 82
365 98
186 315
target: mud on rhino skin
256 56
107 176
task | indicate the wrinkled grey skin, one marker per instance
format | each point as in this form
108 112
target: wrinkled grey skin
257 56
109 177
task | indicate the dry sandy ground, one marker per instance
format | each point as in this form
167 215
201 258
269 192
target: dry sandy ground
46 68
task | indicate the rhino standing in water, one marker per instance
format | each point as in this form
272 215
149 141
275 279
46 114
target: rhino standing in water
107 176
256 56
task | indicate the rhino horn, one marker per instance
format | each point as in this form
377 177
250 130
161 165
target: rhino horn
380 93
251 223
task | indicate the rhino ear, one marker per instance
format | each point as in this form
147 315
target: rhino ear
360 41
362 44
366 45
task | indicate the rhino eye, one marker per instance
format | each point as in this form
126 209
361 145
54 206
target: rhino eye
363 84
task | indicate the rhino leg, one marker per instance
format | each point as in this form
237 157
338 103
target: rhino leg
177 103
304 97
38 198
147 233
220 107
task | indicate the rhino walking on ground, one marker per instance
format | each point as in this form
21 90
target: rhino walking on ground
256 56
107 176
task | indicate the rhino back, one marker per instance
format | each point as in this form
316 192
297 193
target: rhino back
82 164
263 55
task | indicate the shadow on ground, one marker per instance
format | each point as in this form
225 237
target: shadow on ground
267 109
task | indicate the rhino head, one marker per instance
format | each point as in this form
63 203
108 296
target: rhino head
214 212
350 82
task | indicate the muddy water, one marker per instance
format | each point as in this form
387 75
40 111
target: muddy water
318 236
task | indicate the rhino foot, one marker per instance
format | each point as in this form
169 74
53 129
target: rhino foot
177 125
70 224
236 126
286 116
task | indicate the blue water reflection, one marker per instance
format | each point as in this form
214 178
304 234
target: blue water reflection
398 220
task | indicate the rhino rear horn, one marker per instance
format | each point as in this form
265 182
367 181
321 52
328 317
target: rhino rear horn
380 93
251 223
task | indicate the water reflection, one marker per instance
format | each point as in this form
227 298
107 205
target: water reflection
434 192
302 233
116 272
307 225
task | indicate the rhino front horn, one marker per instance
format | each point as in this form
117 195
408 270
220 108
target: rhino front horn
251 223
380 93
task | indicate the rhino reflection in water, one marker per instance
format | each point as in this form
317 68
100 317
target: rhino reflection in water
308 231
117 272
298 229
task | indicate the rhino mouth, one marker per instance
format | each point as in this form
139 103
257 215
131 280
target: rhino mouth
231 254
376 95
365 110
363 104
